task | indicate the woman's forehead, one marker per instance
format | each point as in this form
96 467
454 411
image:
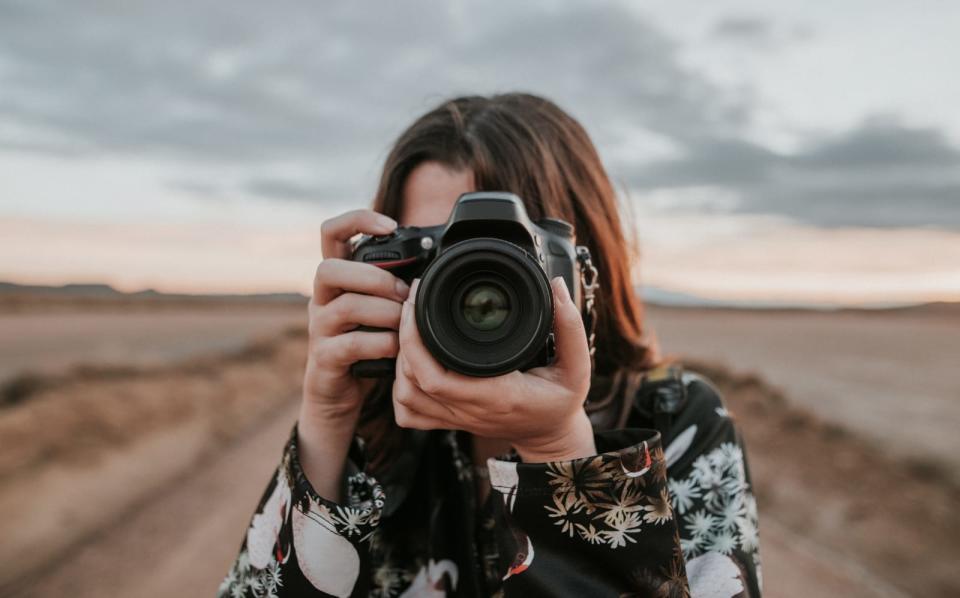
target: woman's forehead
430 192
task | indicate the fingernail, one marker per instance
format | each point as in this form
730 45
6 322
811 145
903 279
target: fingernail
403 289
560 290
386 222
413 289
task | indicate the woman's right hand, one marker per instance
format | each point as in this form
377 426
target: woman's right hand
348 294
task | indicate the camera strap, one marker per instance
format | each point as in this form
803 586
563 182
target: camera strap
588 284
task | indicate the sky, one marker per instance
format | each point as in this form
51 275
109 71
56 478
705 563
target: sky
765 151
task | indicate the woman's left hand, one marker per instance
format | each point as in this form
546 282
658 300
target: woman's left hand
540 411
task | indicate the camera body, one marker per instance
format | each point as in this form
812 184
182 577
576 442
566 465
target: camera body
484 305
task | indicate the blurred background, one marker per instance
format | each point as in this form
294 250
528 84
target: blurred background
791 172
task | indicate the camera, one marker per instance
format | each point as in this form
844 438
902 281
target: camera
484 306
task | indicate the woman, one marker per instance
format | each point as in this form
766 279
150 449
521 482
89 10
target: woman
625 479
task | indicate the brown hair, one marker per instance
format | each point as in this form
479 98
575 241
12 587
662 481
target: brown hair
527 145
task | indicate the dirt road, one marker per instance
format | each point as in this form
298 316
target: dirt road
180 542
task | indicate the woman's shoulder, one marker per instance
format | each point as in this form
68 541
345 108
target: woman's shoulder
677 390
683 404
703 397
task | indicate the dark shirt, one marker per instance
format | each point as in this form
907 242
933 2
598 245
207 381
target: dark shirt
665 508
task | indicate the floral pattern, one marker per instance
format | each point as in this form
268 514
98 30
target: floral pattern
717 510
640 518
599 500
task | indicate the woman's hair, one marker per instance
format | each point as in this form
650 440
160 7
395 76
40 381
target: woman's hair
527 145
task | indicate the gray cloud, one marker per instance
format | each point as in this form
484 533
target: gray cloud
882 173
287 189
759 31
743 27
331 84
273 81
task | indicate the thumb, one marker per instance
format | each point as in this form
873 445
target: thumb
573 354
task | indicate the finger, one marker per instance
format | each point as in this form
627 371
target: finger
435 380
408 394
573 354
408 418
334 276
336 232
349 347
349 310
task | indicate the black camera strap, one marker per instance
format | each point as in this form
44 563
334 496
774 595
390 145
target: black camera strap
588 283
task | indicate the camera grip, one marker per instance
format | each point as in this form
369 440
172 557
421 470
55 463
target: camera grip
373 368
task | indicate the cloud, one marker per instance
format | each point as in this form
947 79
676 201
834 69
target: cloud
270 82
287 189
304 99
743 27
881 173
759 31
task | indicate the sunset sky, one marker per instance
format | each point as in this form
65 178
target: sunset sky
801 152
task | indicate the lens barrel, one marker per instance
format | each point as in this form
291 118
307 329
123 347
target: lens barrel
484 307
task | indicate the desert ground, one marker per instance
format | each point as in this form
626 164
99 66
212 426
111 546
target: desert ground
137 441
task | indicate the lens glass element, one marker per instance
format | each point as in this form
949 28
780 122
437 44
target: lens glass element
485 307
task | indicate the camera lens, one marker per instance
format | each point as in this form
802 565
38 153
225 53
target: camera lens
485 307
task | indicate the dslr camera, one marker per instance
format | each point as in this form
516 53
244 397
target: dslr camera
484 305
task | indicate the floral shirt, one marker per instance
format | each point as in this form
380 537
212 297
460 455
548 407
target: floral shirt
664 509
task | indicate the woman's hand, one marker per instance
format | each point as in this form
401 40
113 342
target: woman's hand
540 411
346 294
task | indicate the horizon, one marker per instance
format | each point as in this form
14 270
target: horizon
649 295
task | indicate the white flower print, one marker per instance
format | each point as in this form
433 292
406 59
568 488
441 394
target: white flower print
350 519
682 493
228 581
751 506
691 546
238 590
243 579
723 542
749 538
725 456
700 523
253 582
714 489
729 512
702 469
271 577
716 506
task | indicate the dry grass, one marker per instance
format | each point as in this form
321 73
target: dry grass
78 415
